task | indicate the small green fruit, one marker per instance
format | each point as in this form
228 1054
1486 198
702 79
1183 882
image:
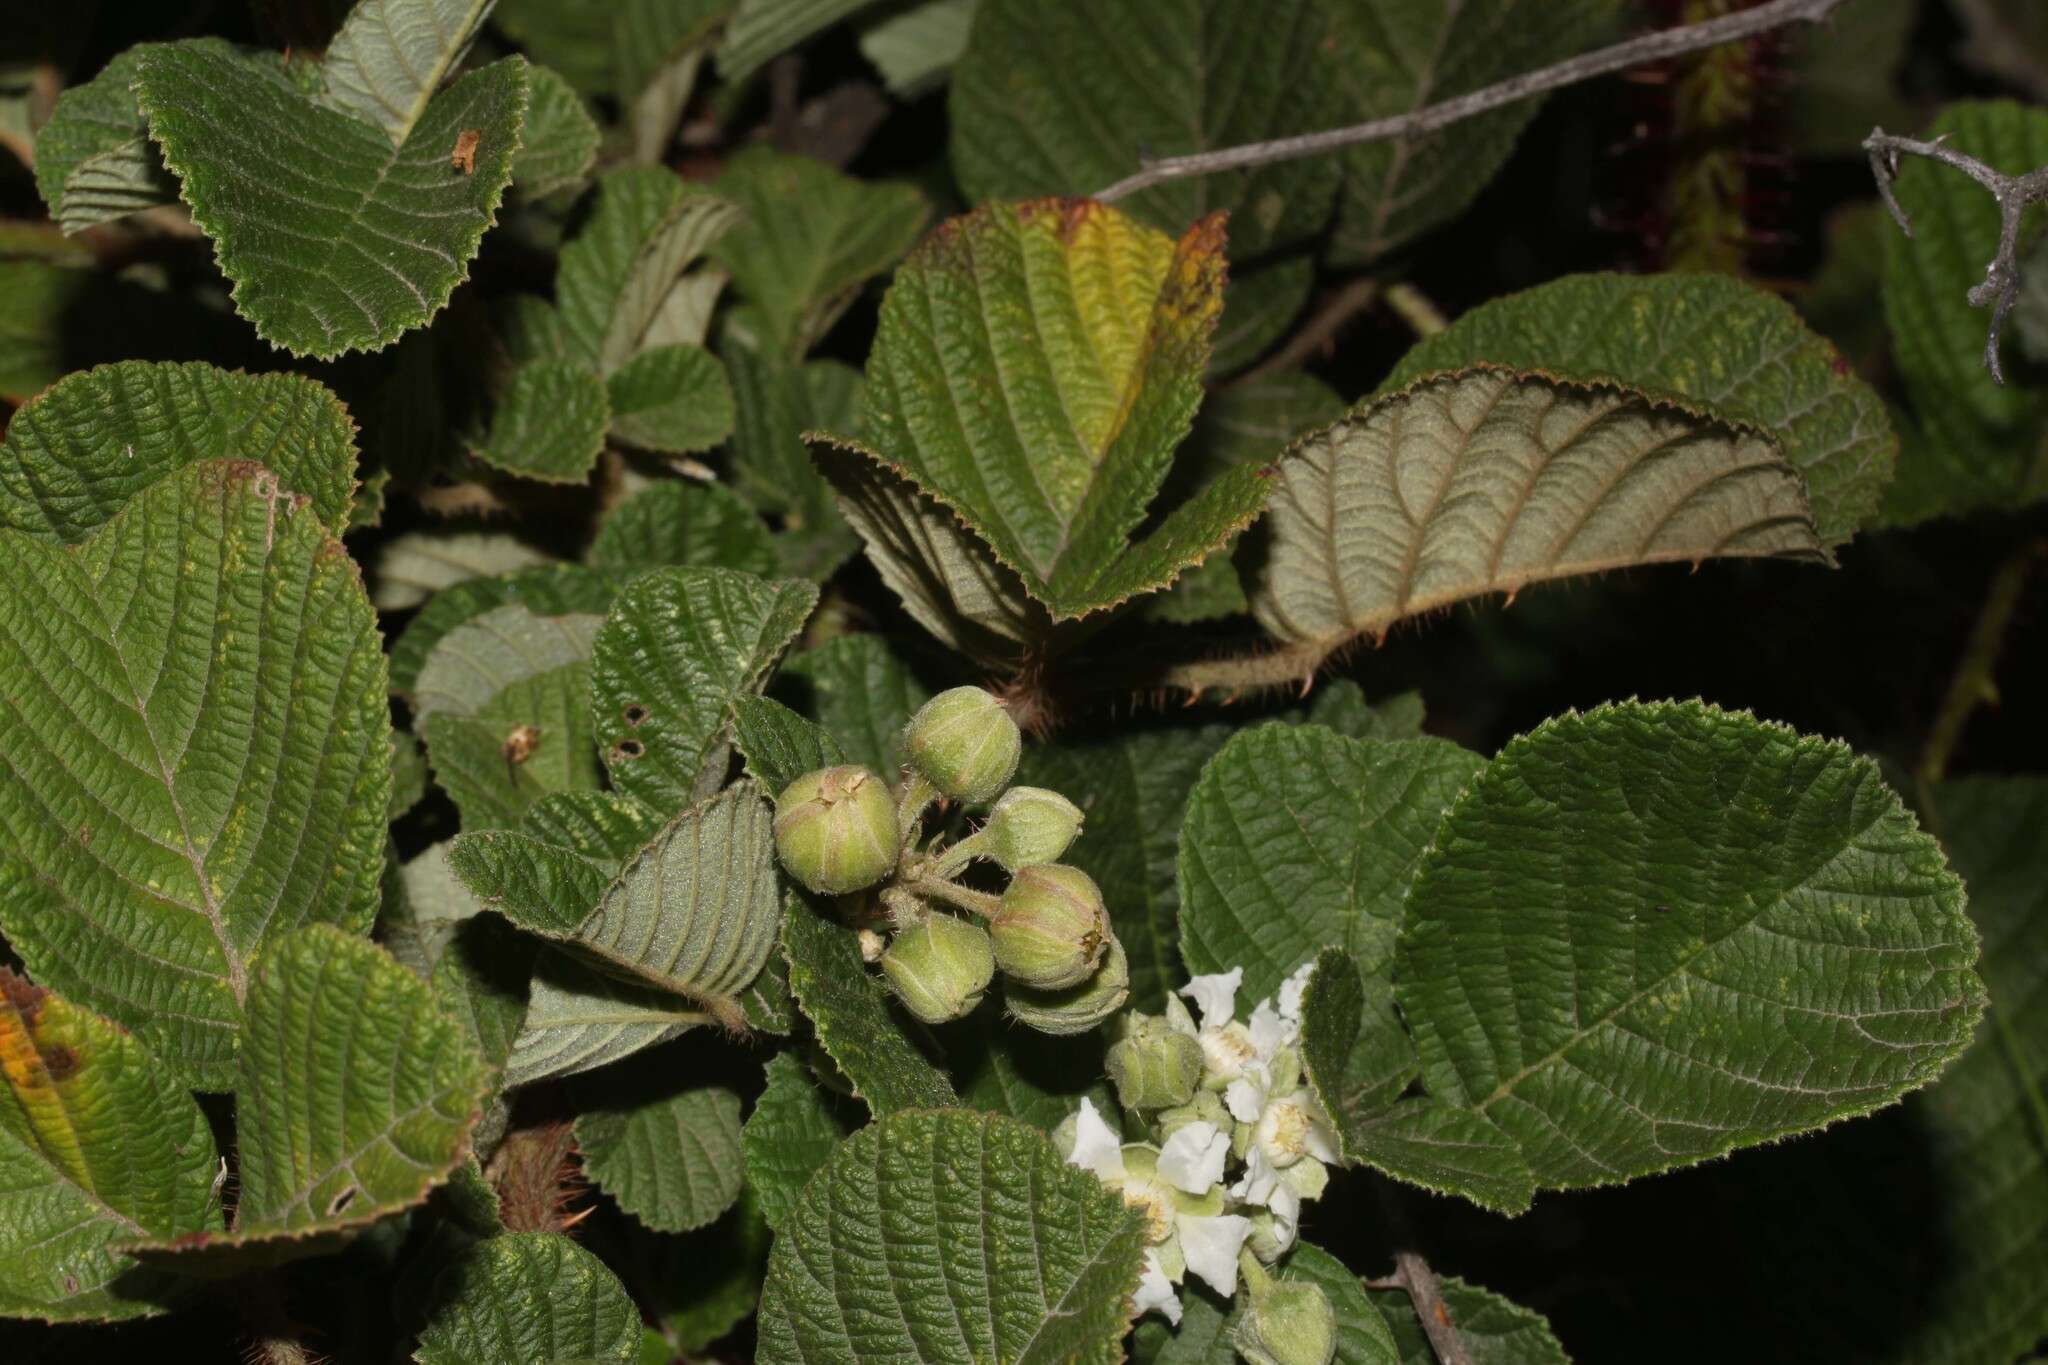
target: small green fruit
1051 928
836 829
1077 1008
940 968
965 744
1030 825
1289 1322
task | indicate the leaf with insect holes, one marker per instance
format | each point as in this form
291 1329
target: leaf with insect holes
98 1143
198 753
1099 327
1486 480
529 1298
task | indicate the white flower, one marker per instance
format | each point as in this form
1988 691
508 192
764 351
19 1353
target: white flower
1193 1156
1291 990
1227 1045
1155 1291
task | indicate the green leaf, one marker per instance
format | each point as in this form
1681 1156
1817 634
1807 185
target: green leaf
1446 1149
672 399
862 695
1099 328
576 40
408 776
335 239
94 162
1362 1334
660 45
1653 933
1709 341
391 56
98 1143
1395 60
1023 1074
1133 788
1494 1330
558 145
549 423
792 1131
548 875
1487 480
1259 304
354 1097
952 1237
673 1162
1297 838
418 564
916 48
1044 103
578 1018
762 29
480 658
529 1298
678 647
705 1284
775 401
77 452
1341 705
198 752
779 745
849 1008
1357 1055
36 300
424 904
481 982
809 239
683 525
545 590
648 226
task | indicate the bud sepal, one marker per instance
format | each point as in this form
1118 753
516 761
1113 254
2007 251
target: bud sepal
835 829
940 968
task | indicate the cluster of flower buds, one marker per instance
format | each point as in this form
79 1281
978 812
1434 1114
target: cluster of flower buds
841 830
1239 1143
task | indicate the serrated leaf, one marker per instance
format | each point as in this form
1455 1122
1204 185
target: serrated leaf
94 162
648 225
953 1237
916 48
1486 480
546 590
480 658
1707 340
198 753
421 914
1699 932
762 29
335 240
1447 1149
1357 1056
1362 1334
679 646
861 693
1100 329
548 423
677 524
549 874
1044 103
849 1008
481 982
1341 706
789 1136
354 1097
98 1143
810 237
558 144
1494 1330
1297 838
1033 1077
391 56
671 399
529 1298
578 1018
1132 788
780 746
673 1162
1394 61
77 452
418 564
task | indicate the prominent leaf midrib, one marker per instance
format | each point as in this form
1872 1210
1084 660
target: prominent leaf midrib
409 118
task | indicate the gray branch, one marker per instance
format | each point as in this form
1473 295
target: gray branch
1650 47
2013 193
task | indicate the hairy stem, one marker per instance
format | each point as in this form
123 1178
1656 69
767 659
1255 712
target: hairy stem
1640 51
976 902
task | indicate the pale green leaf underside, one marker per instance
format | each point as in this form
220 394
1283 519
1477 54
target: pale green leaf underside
951 1237
547 714
1707 340
681 525
481 658
529 1298
334 239
578 1018
392 55
545 590
914 49
418 564
198 755
1653 933
94 161
762 29
849 1007
674 1163
549 423
1496 1331
614 277
1488 480
548 875
789 1136
76 453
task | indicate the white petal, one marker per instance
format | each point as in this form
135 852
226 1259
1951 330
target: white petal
1154 1292
1286 1207
1259 1181
1096 1147
1244 1098
1291 989
1215 996
1271 1032
1193 1157
1211 1246
1321 1143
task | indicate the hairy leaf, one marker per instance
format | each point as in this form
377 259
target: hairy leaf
94 161
953 1237
544 590
1653 933
674 1162
529 1298
480 658
548 423
672 399
558 144
849 1007
98 1143
1707 340
861 694
578 1018
792 1131
779 745
481 982
335 239
391 56
683 525
1357 1055
418 564
198 753
1362 1335
1487 480
549 874
1494 1330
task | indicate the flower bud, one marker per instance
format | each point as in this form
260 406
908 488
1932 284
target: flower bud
835 829
1205 1107
940 968
1077 1008
1051 927
1154 1066
965 744
1030 825
1289 1322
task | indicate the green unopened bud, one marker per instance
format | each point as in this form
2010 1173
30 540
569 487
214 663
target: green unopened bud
1205 1107
836 829
1030 825
940 968
965 744
1154 1066
1077 1008
1289 1322
1051 927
